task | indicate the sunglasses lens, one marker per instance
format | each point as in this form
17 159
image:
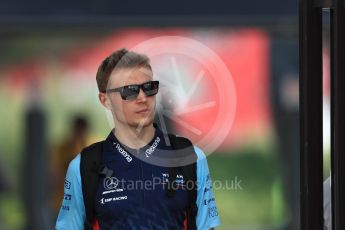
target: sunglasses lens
130 92
151 88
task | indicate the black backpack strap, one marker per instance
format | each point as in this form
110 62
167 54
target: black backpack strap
189 173
184 147
90 166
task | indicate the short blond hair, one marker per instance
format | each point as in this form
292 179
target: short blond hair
121 58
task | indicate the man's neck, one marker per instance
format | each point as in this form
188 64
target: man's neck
132 136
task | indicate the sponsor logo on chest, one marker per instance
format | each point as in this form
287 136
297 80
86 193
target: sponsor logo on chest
112 199
123 152
179 179
152 148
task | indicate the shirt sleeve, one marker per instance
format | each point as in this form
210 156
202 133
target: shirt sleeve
207 216
72 211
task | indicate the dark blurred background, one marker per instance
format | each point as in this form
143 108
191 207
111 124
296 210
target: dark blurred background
50 52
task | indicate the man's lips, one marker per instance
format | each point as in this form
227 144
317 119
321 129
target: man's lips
143 111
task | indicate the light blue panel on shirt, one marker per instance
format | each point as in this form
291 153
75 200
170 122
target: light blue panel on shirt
207 216
72 211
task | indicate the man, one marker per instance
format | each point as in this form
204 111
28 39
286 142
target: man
133 152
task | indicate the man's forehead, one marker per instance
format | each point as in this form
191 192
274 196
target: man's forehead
125 76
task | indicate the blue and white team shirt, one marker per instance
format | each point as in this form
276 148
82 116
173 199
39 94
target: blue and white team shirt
134 196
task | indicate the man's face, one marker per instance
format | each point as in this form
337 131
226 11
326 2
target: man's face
138 112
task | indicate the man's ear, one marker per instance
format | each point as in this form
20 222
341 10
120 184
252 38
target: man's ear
105 100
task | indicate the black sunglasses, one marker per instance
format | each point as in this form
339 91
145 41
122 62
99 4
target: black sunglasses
129 92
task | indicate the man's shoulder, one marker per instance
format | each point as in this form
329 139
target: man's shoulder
173 136
93 147
74 165
200 154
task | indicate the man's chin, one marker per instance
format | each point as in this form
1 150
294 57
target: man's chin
141 124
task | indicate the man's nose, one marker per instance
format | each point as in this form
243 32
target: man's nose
141 96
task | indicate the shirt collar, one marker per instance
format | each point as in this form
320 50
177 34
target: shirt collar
113 144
